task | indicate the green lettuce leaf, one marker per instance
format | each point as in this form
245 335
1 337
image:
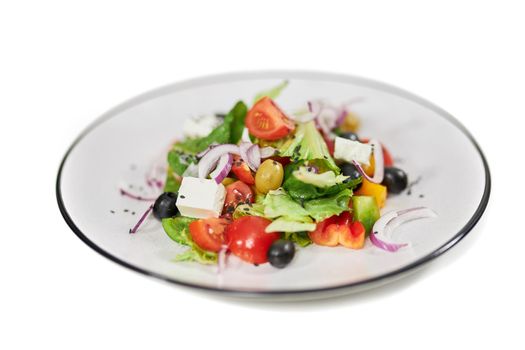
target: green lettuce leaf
177 228
307 144
326 179
229 131
302 191
171 184
198 255
272 93
300 238
254 209
323 208
239 112
278 203
284 224
179 161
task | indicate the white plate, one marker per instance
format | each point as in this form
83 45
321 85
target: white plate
121 145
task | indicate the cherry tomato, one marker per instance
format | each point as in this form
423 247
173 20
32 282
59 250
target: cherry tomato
242 171
247 239
236 193
266 121
208 234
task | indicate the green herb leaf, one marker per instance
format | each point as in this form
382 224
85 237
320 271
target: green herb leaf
300 238
272 93
239 112
177 228
308 144
323 208
171 184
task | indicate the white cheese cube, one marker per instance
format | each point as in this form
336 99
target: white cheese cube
200 198
349 150
200 126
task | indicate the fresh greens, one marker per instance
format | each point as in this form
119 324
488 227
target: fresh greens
229 131
177 228
278 203
284 224
272 93
179 161
323 208
302 191
198 255
171 184
254 209
239 112
306 144
323 180
301 238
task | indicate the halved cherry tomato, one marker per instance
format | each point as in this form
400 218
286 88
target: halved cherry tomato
247 239
354 237
267 121
236 193
387 157
242 171
208 234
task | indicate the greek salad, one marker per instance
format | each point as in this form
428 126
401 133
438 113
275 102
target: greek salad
259 181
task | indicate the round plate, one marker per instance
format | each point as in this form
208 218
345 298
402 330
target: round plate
446 167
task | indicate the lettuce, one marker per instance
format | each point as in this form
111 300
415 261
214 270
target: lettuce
303 191
177 228
255 209
229 131
272 93
326 179
307 144
284 224
300 238
278 203
323 208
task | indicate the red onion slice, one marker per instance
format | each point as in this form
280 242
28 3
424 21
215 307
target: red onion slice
267 152
379 163
223 168
246 136
247 154
210 159
389 221
203 153
141 220
254 155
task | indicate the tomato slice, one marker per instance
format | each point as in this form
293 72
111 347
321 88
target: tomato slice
247 239
267 121
236 193
242 171
208 234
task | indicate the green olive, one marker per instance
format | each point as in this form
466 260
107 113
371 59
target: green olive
269 176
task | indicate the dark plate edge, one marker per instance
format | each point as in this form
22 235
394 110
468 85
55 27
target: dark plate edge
341 289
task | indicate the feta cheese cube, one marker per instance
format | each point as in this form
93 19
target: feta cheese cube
200 198
200 126
349 150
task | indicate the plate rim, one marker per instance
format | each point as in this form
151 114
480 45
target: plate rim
293 74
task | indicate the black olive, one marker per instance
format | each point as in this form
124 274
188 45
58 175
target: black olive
165 206
395 179
349 135
281 252
349 169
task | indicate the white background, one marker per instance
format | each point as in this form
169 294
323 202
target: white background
62 64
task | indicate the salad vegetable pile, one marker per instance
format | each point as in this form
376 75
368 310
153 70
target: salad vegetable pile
259 181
